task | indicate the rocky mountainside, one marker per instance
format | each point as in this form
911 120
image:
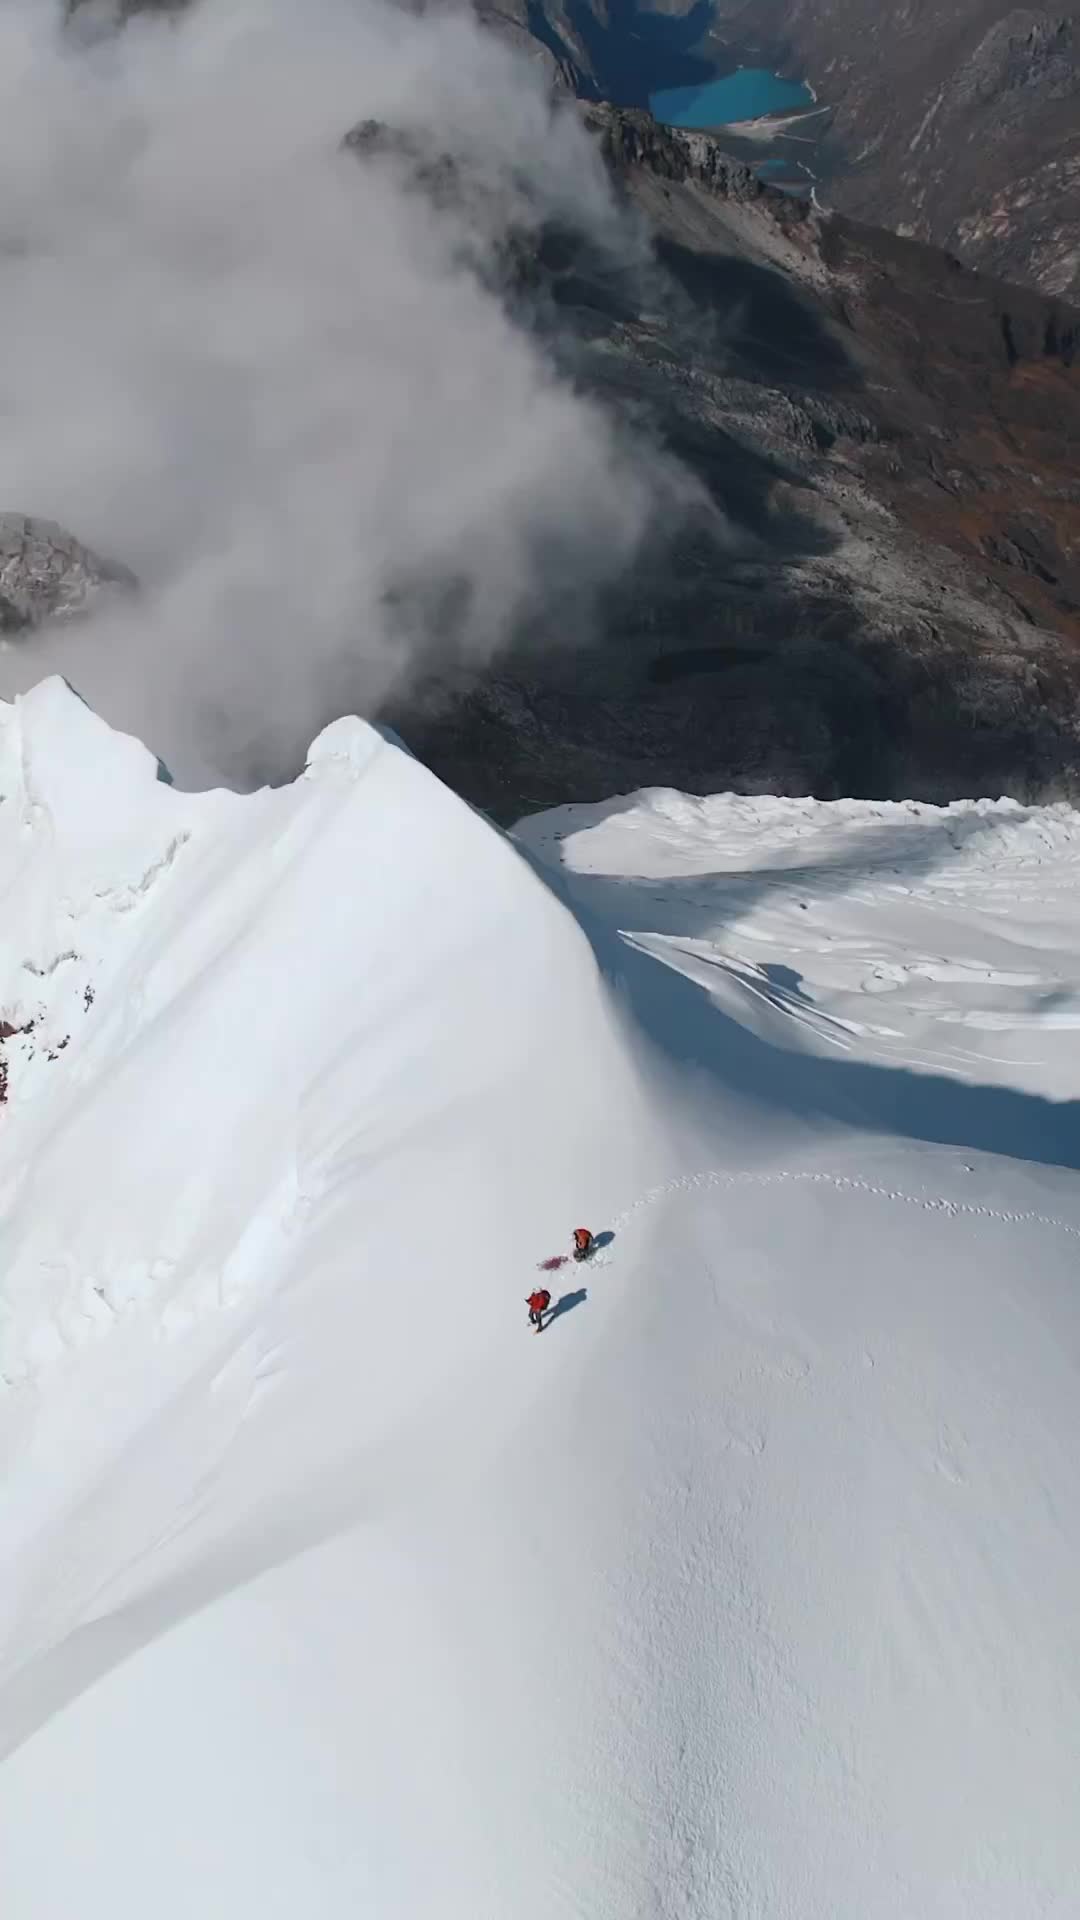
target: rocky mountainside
952 121
46 574
889 599
957 121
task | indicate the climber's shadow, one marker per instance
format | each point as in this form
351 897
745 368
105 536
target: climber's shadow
566 1303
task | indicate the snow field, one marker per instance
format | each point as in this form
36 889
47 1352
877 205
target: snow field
749 1590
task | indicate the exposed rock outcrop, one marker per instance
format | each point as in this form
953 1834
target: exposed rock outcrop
46 574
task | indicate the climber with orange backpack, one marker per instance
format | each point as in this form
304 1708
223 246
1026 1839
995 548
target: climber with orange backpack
583 1243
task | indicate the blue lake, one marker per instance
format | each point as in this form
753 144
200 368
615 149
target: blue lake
741 95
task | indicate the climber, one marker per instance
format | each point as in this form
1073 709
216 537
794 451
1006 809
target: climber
538 1304
583 1243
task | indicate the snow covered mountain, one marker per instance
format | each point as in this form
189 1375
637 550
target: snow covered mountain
750 1588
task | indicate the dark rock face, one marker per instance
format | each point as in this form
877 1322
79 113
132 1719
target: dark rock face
957 121
888 602
45 574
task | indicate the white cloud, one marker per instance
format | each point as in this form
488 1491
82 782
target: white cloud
259 372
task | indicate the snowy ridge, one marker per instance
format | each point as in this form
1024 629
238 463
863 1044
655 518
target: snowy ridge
90 953
750 1588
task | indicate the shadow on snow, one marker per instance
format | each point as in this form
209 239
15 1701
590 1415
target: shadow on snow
565 1304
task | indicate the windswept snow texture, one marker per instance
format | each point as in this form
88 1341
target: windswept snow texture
878 943
749 1590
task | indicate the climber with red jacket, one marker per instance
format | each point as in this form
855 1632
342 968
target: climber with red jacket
538 1304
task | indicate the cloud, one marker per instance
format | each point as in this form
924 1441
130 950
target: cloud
266 375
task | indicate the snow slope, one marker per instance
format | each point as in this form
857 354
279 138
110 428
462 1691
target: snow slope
750 1588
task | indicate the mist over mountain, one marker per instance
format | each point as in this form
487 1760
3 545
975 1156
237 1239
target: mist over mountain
557 438
278 385
890 600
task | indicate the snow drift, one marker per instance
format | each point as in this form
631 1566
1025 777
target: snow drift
749 1588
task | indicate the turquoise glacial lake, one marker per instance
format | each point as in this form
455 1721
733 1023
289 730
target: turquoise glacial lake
741 95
